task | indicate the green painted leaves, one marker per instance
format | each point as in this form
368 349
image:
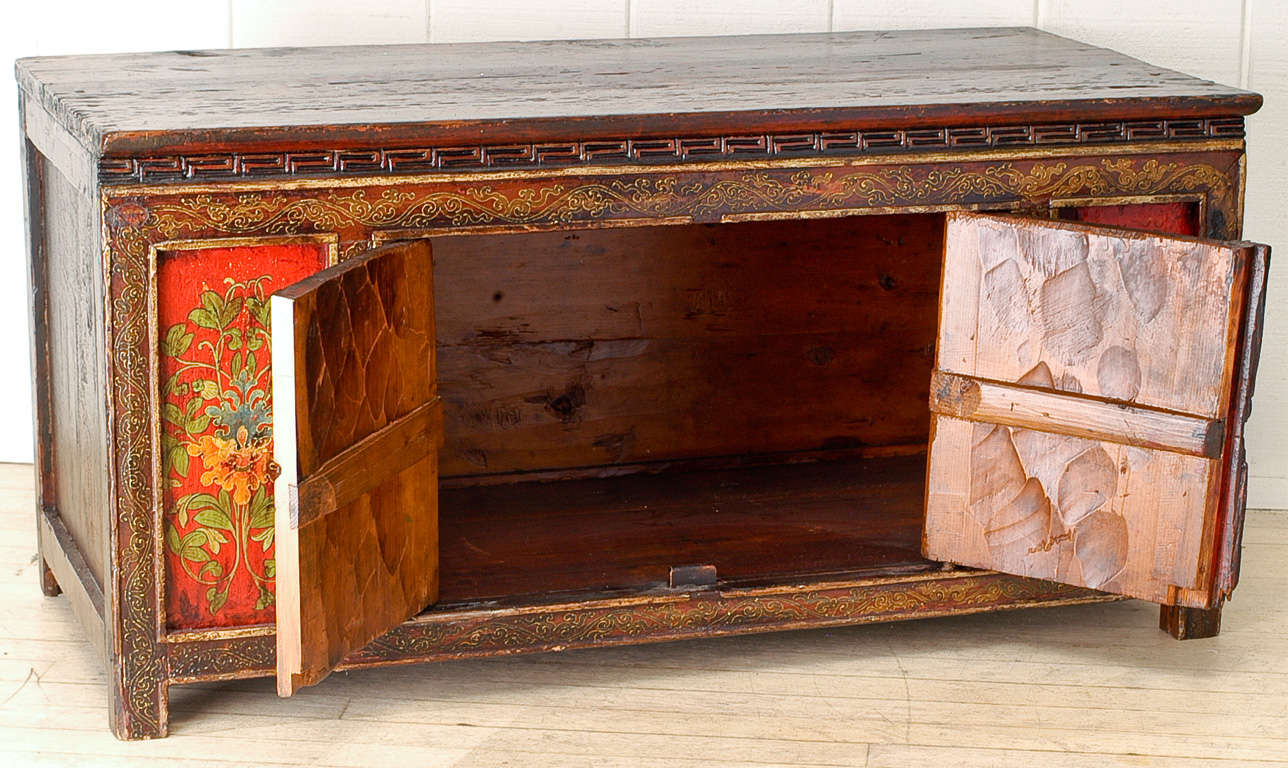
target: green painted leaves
216 448
216 312
177 340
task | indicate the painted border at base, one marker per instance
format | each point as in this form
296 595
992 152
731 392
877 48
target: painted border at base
468 633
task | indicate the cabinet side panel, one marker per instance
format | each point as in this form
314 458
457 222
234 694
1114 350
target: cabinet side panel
33 172
77 371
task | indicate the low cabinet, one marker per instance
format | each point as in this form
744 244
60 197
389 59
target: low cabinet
348 357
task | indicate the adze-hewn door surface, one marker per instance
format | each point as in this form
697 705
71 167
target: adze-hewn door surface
1083 380
358 428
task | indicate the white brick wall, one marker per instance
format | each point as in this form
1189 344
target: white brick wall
258 24
452 21
1233 41
655 18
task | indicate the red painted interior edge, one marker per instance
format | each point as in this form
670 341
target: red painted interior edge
1179 218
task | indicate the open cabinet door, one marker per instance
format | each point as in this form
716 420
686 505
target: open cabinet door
359 425
1082 402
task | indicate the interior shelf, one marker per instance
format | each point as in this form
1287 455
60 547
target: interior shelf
757 524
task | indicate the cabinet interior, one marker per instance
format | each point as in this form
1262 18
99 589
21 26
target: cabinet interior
750 395
746 395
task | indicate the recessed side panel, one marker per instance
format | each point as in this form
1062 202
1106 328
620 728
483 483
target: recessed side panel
216 425
1182 217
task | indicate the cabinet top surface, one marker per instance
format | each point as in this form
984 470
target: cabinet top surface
313 97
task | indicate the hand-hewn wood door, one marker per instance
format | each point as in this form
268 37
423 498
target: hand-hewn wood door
1084 379
358 428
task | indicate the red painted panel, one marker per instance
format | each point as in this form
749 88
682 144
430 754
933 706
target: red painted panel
1168 218
216 427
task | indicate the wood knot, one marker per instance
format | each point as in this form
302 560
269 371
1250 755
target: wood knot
820 355
565 406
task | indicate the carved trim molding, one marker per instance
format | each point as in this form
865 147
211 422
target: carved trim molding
373 162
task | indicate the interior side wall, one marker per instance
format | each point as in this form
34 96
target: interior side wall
603 347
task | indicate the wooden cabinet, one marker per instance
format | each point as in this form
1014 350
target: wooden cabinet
347 357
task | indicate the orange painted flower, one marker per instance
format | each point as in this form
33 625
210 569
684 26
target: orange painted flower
238 466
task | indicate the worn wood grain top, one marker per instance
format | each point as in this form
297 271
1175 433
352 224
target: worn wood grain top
396 95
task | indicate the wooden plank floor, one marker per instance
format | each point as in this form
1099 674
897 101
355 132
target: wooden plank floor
1088 687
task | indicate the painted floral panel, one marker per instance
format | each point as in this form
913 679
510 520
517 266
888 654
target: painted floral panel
217 427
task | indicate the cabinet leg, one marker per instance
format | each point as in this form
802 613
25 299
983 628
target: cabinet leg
140 711
48 584
1189 623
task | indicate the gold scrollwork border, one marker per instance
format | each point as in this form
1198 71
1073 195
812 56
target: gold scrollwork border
709 197
456 634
